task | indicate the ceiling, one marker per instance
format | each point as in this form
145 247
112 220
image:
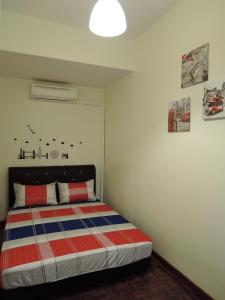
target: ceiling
140 13
44 68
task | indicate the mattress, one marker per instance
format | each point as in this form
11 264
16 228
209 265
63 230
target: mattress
48 244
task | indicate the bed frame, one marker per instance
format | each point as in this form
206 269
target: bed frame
44 175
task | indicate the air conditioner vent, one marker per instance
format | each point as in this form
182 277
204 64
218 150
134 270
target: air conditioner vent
53 92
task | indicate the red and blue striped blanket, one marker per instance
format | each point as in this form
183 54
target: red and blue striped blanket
47 244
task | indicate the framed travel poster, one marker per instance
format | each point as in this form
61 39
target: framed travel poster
195 66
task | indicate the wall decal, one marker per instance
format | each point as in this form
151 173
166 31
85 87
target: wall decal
179 115
195 66
64 150
31 154
214 100
65 155
31 130
40 155
54 154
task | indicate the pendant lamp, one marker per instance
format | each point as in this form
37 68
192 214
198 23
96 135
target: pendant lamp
107 19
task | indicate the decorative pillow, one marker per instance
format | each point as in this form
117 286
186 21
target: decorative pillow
34 195
76 192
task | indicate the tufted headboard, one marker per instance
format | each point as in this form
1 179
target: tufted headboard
44 175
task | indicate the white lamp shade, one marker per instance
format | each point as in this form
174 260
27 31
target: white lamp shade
108 19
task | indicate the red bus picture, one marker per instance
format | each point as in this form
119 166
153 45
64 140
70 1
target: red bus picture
214 105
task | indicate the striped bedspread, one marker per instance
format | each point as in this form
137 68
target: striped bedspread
47 244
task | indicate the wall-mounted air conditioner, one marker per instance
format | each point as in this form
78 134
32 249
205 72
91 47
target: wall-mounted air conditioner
53 92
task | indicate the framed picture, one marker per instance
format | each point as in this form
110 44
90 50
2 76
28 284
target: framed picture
214 100
179 115
195 66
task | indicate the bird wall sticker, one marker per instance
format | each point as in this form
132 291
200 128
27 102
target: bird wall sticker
39 148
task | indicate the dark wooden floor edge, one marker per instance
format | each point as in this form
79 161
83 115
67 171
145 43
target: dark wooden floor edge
182 278
2 224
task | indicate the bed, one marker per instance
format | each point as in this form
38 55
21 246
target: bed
48 248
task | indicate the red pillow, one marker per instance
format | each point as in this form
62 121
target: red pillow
76 192
34 195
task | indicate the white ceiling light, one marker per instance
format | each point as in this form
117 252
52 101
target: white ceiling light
108 19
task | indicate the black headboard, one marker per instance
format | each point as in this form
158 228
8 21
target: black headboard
44 175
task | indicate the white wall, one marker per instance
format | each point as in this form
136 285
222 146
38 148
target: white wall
171 185
70 123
